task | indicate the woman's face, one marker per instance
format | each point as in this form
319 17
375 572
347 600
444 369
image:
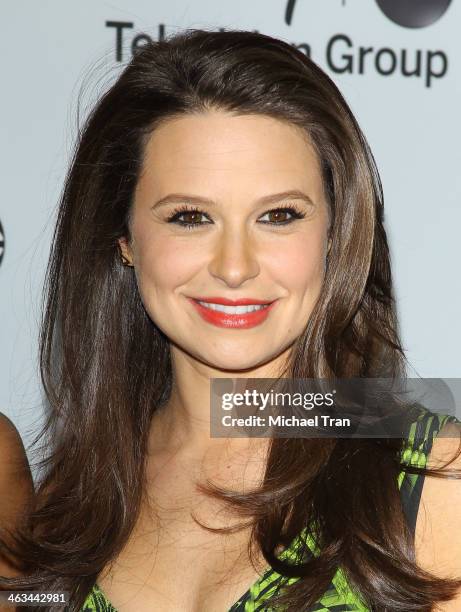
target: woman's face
223 175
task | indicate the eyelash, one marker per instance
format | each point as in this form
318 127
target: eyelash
174 217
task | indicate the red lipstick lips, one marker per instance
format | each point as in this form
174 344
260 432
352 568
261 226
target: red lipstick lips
233 313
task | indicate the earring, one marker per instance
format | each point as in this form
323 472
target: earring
125 261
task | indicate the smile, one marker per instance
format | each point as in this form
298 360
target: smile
233 309
241 314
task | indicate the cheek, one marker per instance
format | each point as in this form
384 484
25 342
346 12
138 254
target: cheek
163 263
299 265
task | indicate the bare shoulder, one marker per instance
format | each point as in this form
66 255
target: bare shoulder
438 537
12 453
9 435
16 486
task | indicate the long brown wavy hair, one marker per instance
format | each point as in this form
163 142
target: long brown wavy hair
96 332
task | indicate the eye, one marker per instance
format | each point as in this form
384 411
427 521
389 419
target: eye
278 216
187 217
190 218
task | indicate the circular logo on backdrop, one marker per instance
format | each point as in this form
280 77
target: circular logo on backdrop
2 242
414 13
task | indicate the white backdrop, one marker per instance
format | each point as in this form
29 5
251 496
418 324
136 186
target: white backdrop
51 49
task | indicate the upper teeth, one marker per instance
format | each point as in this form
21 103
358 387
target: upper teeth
233 309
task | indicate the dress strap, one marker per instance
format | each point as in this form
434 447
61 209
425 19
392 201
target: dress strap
416 450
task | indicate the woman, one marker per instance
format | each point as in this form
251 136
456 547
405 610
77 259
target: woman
16 490
226 167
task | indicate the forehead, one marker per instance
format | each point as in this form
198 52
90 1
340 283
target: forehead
218 149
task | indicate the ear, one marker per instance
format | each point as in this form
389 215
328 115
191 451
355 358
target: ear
125 251
329 245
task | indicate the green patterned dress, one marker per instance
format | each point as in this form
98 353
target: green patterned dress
340 596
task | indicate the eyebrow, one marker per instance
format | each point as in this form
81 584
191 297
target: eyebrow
176 198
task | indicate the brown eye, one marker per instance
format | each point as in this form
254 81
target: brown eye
188 219
277 215
282 216
191 217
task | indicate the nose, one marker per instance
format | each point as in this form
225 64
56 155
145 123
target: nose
234 259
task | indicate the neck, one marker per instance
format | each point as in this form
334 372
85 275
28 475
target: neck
183 423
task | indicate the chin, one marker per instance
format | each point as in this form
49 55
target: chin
238 362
